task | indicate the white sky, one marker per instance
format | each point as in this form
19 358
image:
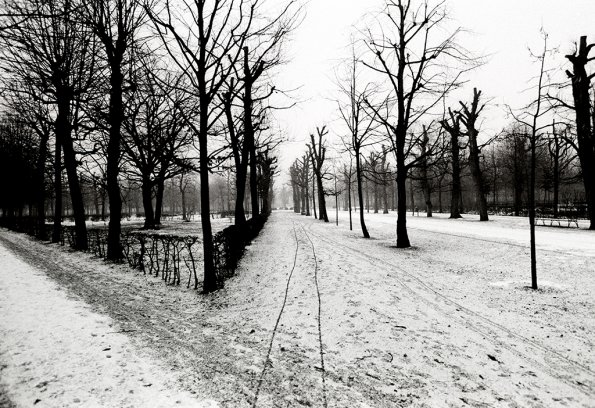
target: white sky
503 29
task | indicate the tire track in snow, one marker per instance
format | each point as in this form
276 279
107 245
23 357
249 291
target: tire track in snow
482 324
320 344
275 328
282 311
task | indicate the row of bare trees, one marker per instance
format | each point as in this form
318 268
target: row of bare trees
130 91
396 92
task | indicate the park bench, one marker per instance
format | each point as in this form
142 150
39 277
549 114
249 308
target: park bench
560 222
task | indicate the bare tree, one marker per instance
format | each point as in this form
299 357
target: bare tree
584 118
347 173
453 127
530 118
317 154
406 53
359 123
116 23
469 116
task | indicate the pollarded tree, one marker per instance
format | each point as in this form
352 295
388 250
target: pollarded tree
453 127
585 119
405 51
469 115
317 154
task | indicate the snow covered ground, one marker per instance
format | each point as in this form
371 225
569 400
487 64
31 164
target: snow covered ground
56 352
317 316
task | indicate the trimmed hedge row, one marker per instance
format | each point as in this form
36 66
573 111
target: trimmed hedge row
162 255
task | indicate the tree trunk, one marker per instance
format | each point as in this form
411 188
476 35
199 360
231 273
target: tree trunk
76 194
349 205
57 227
532 211
455 199
239 213
314 198
321 200
303 199
40 183
440 196
411 196
385 193
147 193
96 197
210 274
103 197
376 197
360 195
183 194
556 183
367 196
159 199
424 174
249 138
402 235
581 85
477 177
116 115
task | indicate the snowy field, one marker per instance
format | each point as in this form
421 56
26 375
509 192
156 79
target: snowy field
315 316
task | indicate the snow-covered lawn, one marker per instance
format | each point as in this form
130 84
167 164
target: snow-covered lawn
317 316
56 352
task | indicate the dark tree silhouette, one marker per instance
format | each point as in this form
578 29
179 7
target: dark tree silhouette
453 127
359 123
424 168
584 118
469 116
116 23
317 154
406 53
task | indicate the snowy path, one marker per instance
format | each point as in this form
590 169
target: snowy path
464 353
317 316
55 352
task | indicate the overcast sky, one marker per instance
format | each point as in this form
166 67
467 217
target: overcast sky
502 29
